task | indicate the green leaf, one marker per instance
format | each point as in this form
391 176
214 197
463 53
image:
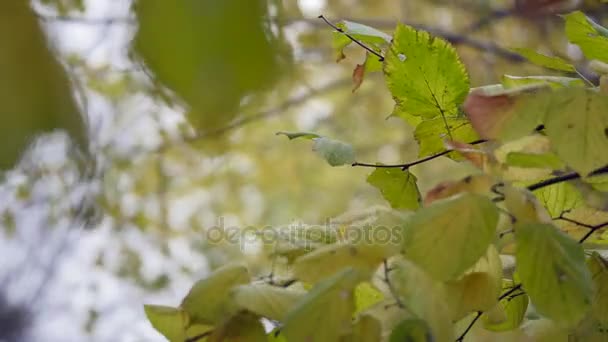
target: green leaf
479 288
171 322
577 125
534 160
336 153
372 63
449 236
411 330
424 75
373 38
296 135
366 295
209 300
432 134
398 187
265 300
509 313
592 193
364 33
243 327
598 267
423 297
544 330
550 62
599 28
524 206
325 313
581 32
559 198
35 93
552 270
508 114
327 260
196 50
509 81
339 42
366 329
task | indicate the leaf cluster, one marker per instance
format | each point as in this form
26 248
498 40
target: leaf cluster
494 255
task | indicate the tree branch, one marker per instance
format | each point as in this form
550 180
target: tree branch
416 162
276 111
592 230
454 38
565 177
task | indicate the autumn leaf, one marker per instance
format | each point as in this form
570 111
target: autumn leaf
358 74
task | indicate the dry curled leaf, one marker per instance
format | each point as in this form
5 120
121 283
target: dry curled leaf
358 75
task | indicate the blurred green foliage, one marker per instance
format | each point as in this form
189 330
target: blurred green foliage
35 93
212 54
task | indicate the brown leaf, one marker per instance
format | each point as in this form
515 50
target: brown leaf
492 110
470 152
358 75
478 184
486 112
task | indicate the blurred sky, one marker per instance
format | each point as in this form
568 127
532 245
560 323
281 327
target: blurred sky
63 272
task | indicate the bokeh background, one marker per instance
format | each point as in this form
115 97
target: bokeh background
177 104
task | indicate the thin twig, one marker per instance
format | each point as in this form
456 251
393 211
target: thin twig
554 180
565 177
390 285
454 38
566 219
416 162
355 40
480 313
281 109
199 337
491 17
469 327
592 230
510 292
580 74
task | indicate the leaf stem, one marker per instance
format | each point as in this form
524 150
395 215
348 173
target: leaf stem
355 40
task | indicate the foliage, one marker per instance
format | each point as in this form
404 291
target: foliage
212 77
439 270
509 251
34 90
